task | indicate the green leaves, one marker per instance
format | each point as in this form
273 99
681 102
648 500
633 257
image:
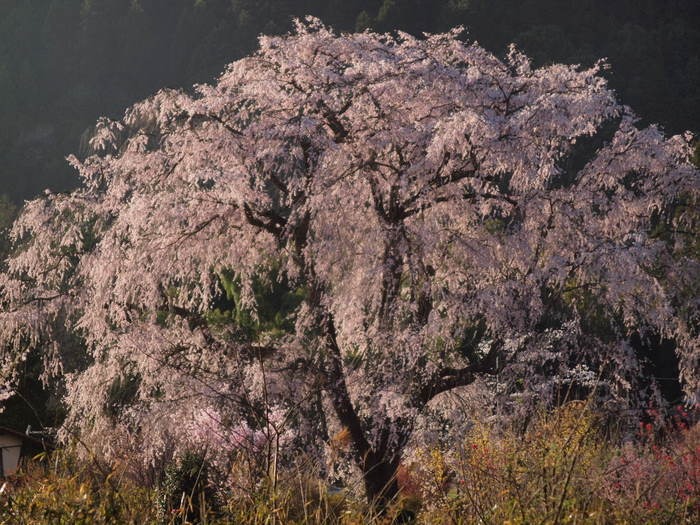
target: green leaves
276 302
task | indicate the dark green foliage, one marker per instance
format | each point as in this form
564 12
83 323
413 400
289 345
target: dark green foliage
65 62
186 496
276 303
8 211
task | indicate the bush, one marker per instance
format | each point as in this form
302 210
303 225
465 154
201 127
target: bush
56 490
563 469
186 495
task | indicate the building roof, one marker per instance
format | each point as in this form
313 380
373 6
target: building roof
23 436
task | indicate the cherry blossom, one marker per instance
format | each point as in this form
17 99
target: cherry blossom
447 217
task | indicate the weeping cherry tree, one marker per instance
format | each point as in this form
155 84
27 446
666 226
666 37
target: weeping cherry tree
439 216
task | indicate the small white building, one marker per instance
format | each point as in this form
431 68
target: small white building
10 447
12 444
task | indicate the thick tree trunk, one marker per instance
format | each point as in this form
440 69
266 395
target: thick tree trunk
378 468
381 483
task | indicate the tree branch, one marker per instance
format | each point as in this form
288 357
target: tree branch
437 182
275 225
409 212
447 379
196 320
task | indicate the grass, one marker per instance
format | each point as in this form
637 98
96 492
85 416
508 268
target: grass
564 468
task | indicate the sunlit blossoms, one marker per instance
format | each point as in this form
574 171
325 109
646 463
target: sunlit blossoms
433 214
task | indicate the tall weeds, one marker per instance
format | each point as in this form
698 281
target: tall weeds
563 469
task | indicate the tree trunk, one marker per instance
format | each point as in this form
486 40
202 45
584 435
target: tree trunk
381 484
378 467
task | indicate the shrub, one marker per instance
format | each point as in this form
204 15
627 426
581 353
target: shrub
562 470
58 491
186 494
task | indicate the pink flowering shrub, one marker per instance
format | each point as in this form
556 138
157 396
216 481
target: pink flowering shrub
658 480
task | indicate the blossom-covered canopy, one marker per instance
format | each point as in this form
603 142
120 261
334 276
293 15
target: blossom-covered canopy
440 214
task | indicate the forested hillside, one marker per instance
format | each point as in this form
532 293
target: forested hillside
63 63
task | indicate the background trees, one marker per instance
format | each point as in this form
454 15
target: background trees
430 215
64 63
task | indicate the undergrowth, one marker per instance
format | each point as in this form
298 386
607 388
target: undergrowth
565 468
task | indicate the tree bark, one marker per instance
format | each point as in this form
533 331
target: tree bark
380 480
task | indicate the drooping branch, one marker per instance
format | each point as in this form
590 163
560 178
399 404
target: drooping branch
195 118
470 196
198 228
